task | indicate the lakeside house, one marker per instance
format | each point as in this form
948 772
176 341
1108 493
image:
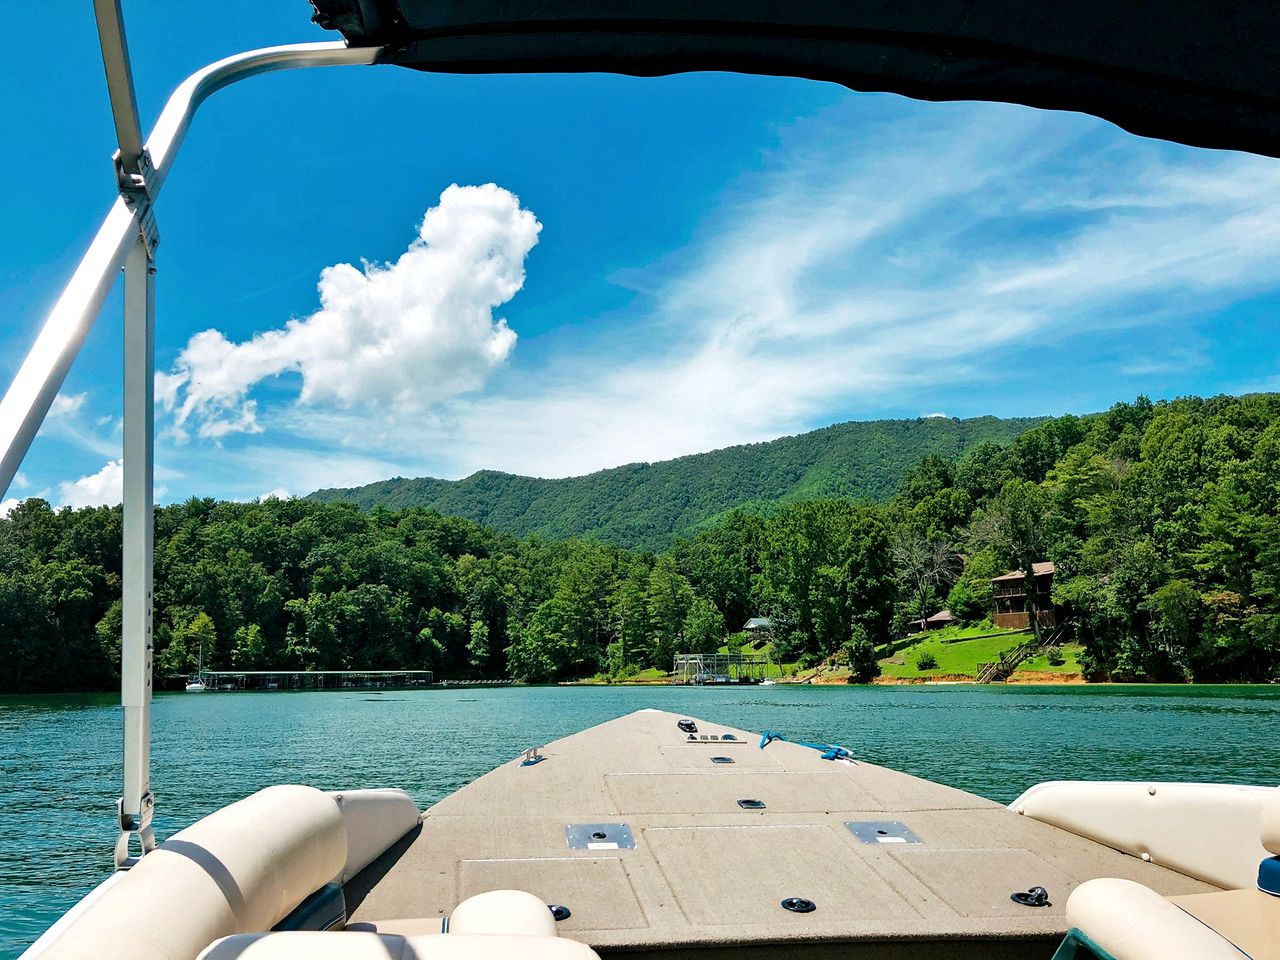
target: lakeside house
943 618
760 629
1009 593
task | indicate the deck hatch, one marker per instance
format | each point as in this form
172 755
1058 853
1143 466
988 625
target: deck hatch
882 831
599 836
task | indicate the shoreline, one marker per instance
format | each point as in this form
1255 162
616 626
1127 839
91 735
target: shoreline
1029 678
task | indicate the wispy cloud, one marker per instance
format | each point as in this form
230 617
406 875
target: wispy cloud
910 254
70 420
65 406
882 250
1170 360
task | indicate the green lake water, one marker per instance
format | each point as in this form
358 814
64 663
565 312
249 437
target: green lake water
60 756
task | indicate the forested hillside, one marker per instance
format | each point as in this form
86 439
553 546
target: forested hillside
644 505
1163 521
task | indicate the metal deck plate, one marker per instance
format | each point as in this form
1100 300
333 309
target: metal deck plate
599 836
882 831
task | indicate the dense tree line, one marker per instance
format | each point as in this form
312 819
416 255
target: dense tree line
299 585
1162 520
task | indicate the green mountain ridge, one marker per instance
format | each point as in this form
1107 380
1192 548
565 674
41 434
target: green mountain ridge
643 505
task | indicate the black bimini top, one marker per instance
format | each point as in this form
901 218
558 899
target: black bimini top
1200 72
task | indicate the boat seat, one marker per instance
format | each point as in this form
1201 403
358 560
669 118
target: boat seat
1250 919
1131 922
1124 920
348 945
246 867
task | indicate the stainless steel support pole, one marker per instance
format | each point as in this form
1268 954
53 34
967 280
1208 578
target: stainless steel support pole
136 646
124 104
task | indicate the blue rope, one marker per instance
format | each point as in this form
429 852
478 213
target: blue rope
830 751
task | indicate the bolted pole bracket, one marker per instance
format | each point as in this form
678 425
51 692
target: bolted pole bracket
134 825
134 181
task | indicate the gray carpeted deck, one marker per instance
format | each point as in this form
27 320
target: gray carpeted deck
706 873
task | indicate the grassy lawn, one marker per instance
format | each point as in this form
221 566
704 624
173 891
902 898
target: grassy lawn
957 655
952 658
980 629
1070 655
654 675
945 635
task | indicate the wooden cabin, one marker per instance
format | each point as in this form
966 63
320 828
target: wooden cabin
943 618
1010 595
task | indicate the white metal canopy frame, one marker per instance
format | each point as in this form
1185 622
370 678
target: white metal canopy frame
127 239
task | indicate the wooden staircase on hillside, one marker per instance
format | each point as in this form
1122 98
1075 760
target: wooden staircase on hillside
1003 668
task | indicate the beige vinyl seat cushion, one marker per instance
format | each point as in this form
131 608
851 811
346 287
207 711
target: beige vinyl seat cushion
1133 922
373 820
1270 823
347 945
1248 918
244 867
1207 831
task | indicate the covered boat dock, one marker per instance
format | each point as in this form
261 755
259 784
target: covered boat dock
699 668
314 679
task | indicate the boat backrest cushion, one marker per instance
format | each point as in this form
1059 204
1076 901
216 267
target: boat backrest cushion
374 820
1133 922
243 868
1271 822
379 946
1207 831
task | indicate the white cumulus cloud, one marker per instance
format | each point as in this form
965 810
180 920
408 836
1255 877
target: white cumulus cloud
104 488
401 336
6 507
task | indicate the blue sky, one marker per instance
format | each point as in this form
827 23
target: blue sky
626 270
